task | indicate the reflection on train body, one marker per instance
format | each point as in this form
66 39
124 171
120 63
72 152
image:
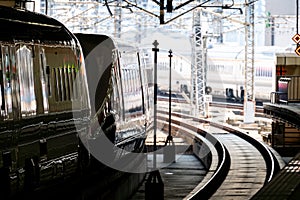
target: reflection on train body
43 98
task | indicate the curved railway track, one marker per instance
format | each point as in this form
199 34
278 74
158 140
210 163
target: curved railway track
242 167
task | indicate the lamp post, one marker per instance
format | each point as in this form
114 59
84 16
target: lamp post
170 138
154 187
169 151
155 49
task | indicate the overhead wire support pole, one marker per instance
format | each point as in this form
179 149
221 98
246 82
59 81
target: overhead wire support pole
161 12
249 97
198 73
118 20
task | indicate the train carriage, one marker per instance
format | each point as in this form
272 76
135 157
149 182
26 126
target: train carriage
44 100
55 108
118 96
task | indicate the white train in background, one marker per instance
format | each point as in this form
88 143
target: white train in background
225 69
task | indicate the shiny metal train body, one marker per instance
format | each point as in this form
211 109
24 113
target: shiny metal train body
52 111
120 100
44 101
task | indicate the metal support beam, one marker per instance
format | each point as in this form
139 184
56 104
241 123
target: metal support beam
198 70
118 20
249 98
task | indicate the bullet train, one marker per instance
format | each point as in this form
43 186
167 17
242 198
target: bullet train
225 69
119 97
44 100
54 108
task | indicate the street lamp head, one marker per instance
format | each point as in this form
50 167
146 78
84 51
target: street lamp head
170 53
155 43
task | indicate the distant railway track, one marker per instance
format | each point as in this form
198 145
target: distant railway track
238 164
237 106
222 104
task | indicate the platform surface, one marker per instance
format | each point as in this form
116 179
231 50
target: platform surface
179 178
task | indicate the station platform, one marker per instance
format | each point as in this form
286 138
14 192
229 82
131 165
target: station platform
182 176
288 112
285 135
179 178
285 185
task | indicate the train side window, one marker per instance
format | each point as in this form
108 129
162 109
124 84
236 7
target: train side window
58 85
119 74
130 80
2 99
15 84
67 83
64 71
7 82
137 88
62 79
115 100
62 84
125 78
44 81
70 75
127 81
141 80
75 87
133 81
48 80
55 88
24 63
